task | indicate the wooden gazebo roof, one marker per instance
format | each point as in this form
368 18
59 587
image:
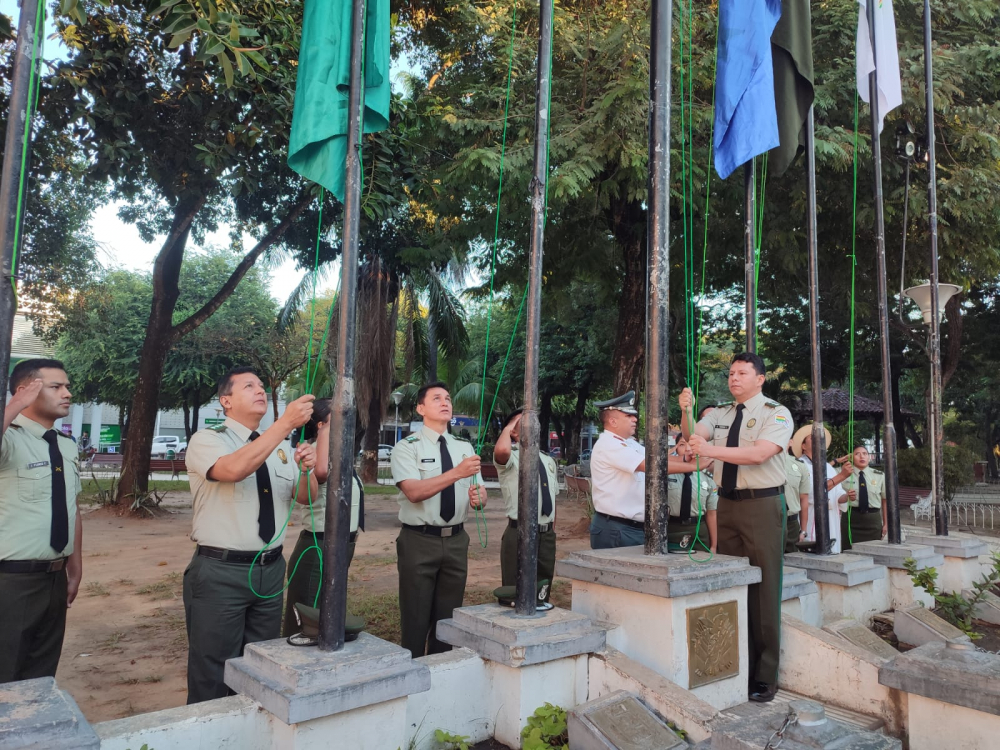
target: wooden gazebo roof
836 406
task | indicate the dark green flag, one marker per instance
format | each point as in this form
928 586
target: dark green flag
317 148
791 52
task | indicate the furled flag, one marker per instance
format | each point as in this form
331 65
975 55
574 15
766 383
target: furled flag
791 48
317 147
745 120
890 90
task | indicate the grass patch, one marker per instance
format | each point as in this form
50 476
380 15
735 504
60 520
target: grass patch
152 678
94 588
90 494
381 489
125 581
168 587
112 642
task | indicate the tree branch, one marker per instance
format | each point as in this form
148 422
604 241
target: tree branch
196 319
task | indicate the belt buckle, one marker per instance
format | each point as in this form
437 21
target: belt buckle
447 531
56 565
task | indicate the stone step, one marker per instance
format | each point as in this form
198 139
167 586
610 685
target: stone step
843 715
845 569
795 582
916 625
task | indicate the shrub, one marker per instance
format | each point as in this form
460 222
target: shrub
914 466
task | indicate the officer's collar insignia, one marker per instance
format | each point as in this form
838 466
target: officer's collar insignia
282 456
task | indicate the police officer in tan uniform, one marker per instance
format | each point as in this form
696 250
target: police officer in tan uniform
506 459
243 482
439 478
41 535
865 519
747 439
797 492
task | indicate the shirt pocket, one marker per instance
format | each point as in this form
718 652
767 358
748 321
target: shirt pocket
34 485
430 467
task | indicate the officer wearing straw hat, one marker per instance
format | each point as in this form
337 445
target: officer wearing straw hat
802 447
746 438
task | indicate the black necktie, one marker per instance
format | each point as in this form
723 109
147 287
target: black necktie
862 492
59 531
543 485
265 515
448 493
361 502
686 498
733 441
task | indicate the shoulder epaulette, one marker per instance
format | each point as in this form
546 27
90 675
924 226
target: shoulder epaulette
218 428
728 403
876 471
772 404
462 439
15 426
413 438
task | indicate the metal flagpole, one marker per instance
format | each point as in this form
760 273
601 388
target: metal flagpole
749 206
527 478
937 430
12 176
820 498
658 284
336 533
889 428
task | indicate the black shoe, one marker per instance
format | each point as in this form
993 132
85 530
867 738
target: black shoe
761 692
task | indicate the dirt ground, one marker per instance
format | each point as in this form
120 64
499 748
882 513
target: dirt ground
126 648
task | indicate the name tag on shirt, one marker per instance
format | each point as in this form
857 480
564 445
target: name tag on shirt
37 464
428 460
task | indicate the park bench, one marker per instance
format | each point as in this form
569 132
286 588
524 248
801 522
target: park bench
174 465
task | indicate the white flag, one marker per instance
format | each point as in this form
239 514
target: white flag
890 91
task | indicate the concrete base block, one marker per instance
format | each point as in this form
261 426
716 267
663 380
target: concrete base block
811 729
619 722
954 673
857 602
795 582
843 570
988 608
375 727
36 715
300 684
917 626
960 573
854 632
497 633
649 597
800 596
902 592
935 725
808 609
894 555
952 546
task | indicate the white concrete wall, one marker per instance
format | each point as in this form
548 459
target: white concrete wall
807 608
458 702
902 592
935 725
829 668
959 573
854 602
378 727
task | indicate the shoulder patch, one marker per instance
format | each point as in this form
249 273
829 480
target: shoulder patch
461 439
728 403
218 428
16 426
878 473
772 405
413 438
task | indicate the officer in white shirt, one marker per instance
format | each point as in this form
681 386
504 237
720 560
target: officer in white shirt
618 476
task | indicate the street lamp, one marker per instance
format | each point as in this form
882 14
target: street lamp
396 398
922 296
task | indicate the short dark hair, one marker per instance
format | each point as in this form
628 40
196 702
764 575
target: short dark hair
321 410
27 369
753 359
701 412
226 381
428 386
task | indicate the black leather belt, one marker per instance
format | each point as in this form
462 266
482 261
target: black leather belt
683 521
865 512
436 530
793 516
753 494
543 528
319 535
32 566
237 556
626 521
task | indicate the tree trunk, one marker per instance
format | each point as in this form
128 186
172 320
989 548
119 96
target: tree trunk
544 417
630 347
371 440
575 423
432 350
897 410
195 412
187 419
274 401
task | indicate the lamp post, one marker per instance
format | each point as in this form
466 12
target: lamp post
396 398
924 295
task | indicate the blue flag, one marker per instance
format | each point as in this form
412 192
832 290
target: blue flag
746 122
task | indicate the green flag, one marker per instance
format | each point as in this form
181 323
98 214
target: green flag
317 148
791 52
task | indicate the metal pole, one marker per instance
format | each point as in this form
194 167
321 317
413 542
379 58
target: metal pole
937 429
820 499
527 477
749 207
889 427
658 285
336 532
12 177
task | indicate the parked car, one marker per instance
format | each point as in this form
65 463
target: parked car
163 444
585 455
384 452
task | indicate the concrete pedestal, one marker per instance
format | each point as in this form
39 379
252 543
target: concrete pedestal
800 597
685 620
902 592
530 660
35 714
962 566
357 692
850 585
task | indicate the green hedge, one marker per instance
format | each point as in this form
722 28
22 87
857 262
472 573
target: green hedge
914 466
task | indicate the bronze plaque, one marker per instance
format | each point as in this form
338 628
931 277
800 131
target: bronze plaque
629 725
713 643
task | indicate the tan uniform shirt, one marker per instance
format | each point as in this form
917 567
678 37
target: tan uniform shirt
26 492
418 456
319 507
225 513
875 481
763 419
618 489
703 490
796 484
507 474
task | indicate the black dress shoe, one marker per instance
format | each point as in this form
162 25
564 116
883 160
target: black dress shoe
761 692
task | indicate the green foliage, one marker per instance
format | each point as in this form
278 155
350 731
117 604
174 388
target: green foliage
448 741
954 607
546 729
914 466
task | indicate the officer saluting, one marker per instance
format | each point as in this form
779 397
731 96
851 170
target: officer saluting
242 482
434 471
747 438
506 458
865 521
41 535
